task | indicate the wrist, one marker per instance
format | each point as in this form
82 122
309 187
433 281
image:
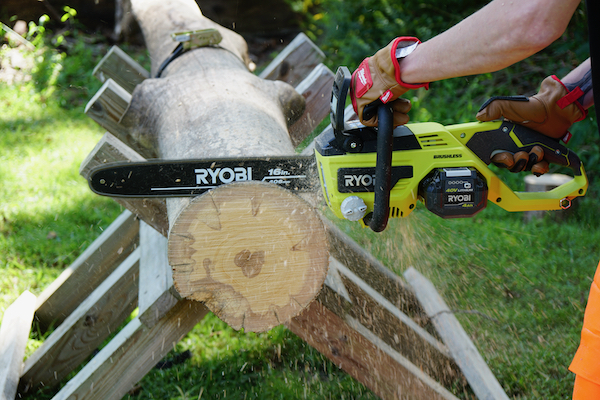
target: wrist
402 47
572 96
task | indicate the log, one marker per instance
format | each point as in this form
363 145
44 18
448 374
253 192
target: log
207 104
253 284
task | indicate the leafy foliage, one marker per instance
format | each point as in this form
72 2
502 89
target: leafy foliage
349 31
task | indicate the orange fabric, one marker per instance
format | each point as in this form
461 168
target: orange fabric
586 363
585 390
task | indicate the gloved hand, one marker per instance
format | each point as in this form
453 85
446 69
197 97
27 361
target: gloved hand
551 112
378 78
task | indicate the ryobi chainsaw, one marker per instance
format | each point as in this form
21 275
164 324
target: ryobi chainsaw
371 174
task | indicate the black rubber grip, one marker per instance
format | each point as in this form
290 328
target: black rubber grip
383 169
485 143
510 98
371 109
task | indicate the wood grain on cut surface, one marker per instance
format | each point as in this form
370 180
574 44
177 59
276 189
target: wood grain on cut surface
256 254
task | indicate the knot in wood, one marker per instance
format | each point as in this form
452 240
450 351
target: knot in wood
90 321
250 263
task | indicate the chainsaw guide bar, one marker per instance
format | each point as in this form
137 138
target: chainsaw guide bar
183 178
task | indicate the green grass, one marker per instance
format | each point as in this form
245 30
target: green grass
230 364
47 214
519 288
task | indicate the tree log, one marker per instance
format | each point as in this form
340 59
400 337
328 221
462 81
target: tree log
252 252
207 105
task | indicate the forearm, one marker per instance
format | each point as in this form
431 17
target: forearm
500 34
581 77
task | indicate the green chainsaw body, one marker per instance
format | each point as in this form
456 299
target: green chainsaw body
430 147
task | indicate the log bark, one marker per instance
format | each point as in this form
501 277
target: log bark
207 104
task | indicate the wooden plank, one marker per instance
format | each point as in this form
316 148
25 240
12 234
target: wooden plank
121 68
361 358
14 332
110 149
131 354
480 377
400 332
411 368
316 89
88 271
85 329
157 294
374 273
295 62
108 106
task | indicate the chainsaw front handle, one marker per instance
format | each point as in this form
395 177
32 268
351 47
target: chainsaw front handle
378 220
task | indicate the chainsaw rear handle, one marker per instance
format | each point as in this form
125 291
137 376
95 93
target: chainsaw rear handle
378 220
513 138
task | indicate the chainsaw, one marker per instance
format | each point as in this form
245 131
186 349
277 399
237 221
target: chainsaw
371 174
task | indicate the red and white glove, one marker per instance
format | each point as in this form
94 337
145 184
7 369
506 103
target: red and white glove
378 78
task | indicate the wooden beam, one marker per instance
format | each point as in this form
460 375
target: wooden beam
85 329
121 68
398 331
295 62
417 372
131 354
110 149
108 106
374 273
88 271
14 332
480 377
316 89
371 365
157 294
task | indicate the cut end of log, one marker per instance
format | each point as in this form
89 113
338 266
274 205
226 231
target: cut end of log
254 253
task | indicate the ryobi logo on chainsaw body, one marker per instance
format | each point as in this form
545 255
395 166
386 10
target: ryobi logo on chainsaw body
217 176
352 180
362 180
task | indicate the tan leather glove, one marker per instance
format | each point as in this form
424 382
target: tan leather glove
551 112
377 78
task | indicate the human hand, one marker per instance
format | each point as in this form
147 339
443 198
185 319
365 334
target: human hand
551 112
378 78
